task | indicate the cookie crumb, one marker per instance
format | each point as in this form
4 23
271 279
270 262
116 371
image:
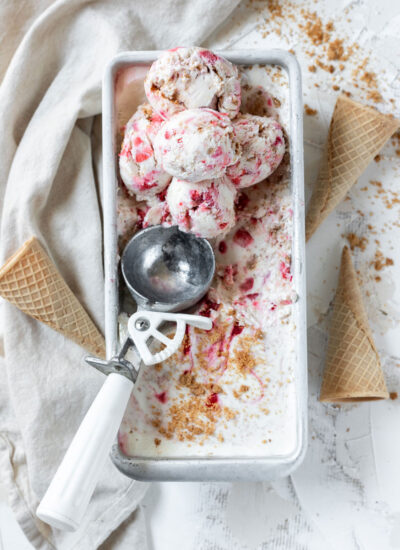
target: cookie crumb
309 111
356 242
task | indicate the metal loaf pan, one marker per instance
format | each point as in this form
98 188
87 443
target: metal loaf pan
210 468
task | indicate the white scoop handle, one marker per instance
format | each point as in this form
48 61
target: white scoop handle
144 324
69 493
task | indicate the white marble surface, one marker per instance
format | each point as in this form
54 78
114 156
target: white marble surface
346 494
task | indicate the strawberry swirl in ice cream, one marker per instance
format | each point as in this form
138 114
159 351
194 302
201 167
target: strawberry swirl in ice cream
196 144
229 391
263 147
139 169
187 78
204 208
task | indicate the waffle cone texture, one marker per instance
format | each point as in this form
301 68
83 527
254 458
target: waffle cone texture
31 281
353 370
356 135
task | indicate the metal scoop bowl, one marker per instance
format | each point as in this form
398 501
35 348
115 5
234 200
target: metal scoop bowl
166 271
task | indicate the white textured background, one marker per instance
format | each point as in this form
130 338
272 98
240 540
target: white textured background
346 495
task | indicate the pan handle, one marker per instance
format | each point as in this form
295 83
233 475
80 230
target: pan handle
70 491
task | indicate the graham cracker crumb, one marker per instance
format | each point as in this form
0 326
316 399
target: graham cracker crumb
309 111
335 50
379 262
356 242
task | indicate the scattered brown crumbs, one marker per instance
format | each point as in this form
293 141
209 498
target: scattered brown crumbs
244 360
335 50
379 262
243 357
336 87
316 32
356 242
389 198
319 43
325 67
377 158
189 381
193 418
393 395
252 263
157 441
374 96
243 389
369 78
309 111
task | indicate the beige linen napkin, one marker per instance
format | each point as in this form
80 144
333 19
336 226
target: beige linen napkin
53 58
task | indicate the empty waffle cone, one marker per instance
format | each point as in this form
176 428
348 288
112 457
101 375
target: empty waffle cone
353 370
30 281
356 135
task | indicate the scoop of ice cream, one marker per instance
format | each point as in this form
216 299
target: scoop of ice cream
139 169
196 144
204 208
187 78
263 147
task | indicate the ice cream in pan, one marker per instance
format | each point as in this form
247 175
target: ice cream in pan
228 392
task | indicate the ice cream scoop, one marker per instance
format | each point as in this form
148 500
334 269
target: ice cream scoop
187 78
139 169
204 208
263 147
164 269
196 144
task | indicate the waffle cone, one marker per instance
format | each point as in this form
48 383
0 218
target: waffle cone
353 370
30 281
356 134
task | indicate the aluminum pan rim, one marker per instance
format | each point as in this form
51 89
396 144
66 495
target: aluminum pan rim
211 468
